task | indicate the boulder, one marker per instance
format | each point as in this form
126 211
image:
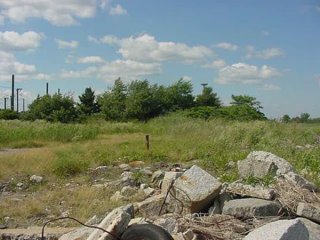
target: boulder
98 171
128 191
115 222
313 229
168 178
169 224
259 164
196 189
157 177
151 207
127 179
77 234
250 207
309 211
116 197
280 230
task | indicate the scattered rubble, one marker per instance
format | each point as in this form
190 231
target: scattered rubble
192 204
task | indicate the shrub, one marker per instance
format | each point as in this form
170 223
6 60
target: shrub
8 114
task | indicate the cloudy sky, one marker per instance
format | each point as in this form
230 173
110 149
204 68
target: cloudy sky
267 49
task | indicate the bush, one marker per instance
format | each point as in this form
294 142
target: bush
8 114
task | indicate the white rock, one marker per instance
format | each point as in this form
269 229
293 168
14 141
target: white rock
36 179
280 230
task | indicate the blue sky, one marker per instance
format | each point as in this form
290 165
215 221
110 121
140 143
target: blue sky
266 49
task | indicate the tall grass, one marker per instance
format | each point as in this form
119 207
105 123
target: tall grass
23 134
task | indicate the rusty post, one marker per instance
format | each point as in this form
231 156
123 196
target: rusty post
148 142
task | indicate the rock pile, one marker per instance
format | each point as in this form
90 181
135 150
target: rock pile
192 204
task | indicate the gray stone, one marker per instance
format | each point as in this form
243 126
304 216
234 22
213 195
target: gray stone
128 191
189 235
115 223
157 177
251 191
280 230
99 171
169 224
300 181
116 197
313 228
148 191
20 184
36 179
146 171
309 211
196 189
168 178
250 207
125 167
77 234
3 226
260 164
127 179
150 207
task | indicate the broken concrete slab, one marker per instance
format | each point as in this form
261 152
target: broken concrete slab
251 191
115 223
151 207
309 211
196 188
250 207
168 178
280 230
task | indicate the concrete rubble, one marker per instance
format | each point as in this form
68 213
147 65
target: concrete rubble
199 206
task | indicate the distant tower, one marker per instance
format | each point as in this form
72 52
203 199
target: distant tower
204 85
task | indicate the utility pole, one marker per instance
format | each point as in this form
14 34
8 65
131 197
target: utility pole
58 91
12 94
18 89
47 88
5 103
23 104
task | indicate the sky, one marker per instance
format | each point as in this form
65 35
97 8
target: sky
266 49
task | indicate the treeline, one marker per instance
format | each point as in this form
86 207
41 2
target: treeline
303 118
139 100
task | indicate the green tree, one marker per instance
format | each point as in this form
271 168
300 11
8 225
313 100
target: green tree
179 95
285 118
246 100
208 98
52 108
113 103
143 101
243 107
304 117
8 114
88 104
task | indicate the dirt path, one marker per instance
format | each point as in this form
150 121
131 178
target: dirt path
11 151
35 230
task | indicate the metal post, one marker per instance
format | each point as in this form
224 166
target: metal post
18 89
5 103
12 94
23 104
147 142
58 91
47 88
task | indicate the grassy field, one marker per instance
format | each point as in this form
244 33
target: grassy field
64 153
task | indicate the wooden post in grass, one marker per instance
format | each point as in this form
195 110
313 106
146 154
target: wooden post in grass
148 142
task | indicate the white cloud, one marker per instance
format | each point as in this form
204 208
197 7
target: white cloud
57 12
270 87
117 10
66 44
10 65
265 33
243 73
217 64
90 59
187 78
227 46
146 48
92 39
109 71
265 53
13 41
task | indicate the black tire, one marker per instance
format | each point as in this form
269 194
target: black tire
145 232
